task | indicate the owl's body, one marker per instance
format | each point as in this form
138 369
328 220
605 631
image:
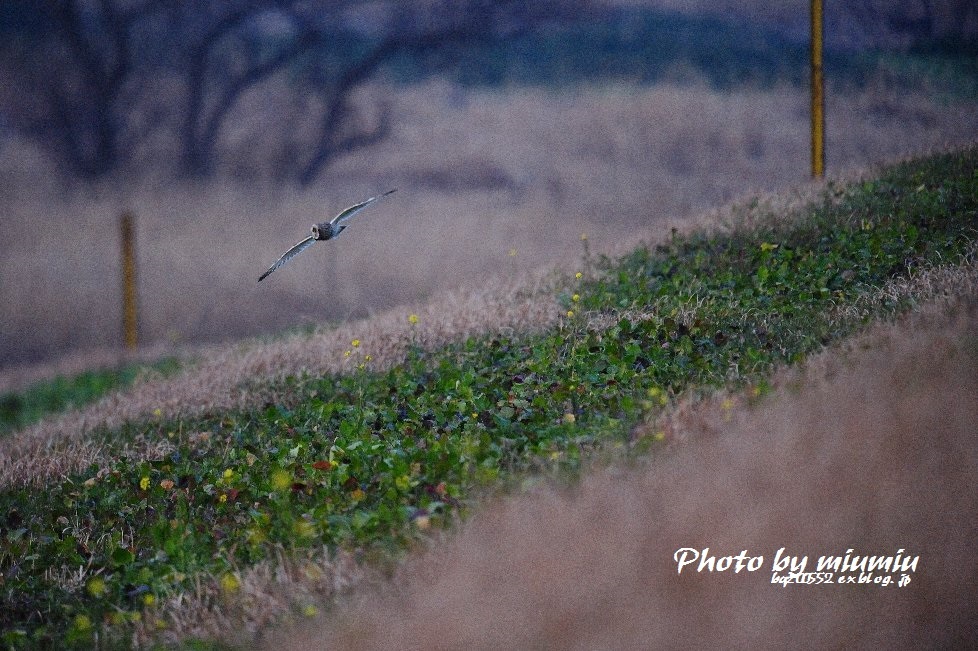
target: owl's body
323 231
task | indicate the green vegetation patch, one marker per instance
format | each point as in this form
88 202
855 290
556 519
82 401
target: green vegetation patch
368 460
21 408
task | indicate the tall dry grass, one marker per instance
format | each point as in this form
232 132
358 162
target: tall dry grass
481 173
870 449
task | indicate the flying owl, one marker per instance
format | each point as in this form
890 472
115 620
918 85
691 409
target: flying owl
324 231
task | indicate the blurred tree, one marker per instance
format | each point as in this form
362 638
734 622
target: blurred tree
412 28
72 66
96 81
225 53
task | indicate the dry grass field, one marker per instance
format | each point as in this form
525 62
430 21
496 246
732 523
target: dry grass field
492 183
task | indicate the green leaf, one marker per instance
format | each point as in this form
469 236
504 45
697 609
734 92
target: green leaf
122 556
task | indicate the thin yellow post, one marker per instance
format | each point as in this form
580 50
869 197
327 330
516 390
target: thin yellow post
818 93
130 324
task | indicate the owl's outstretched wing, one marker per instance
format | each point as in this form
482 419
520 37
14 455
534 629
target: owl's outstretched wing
291 253
339 220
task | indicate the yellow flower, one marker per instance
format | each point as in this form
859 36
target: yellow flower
413 319
96 587
347 353
355 343
157 412
144 483
576 297
230 583
658 394
304 529
309 610
358 495
223 498
367 358
256 536
570 314
149 599
82 623
228 473
767 246
512 253
578 275
281 479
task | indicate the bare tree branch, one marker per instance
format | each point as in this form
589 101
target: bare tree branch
419 31
202 124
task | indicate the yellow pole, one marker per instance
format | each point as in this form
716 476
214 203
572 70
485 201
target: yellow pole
818 93
129 314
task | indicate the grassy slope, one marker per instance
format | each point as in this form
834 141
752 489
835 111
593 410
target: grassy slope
870 447
61 393
366 460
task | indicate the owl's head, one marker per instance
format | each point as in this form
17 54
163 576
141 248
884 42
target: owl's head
322 231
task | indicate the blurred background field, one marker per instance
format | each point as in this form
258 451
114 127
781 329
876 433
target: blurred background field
507 139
